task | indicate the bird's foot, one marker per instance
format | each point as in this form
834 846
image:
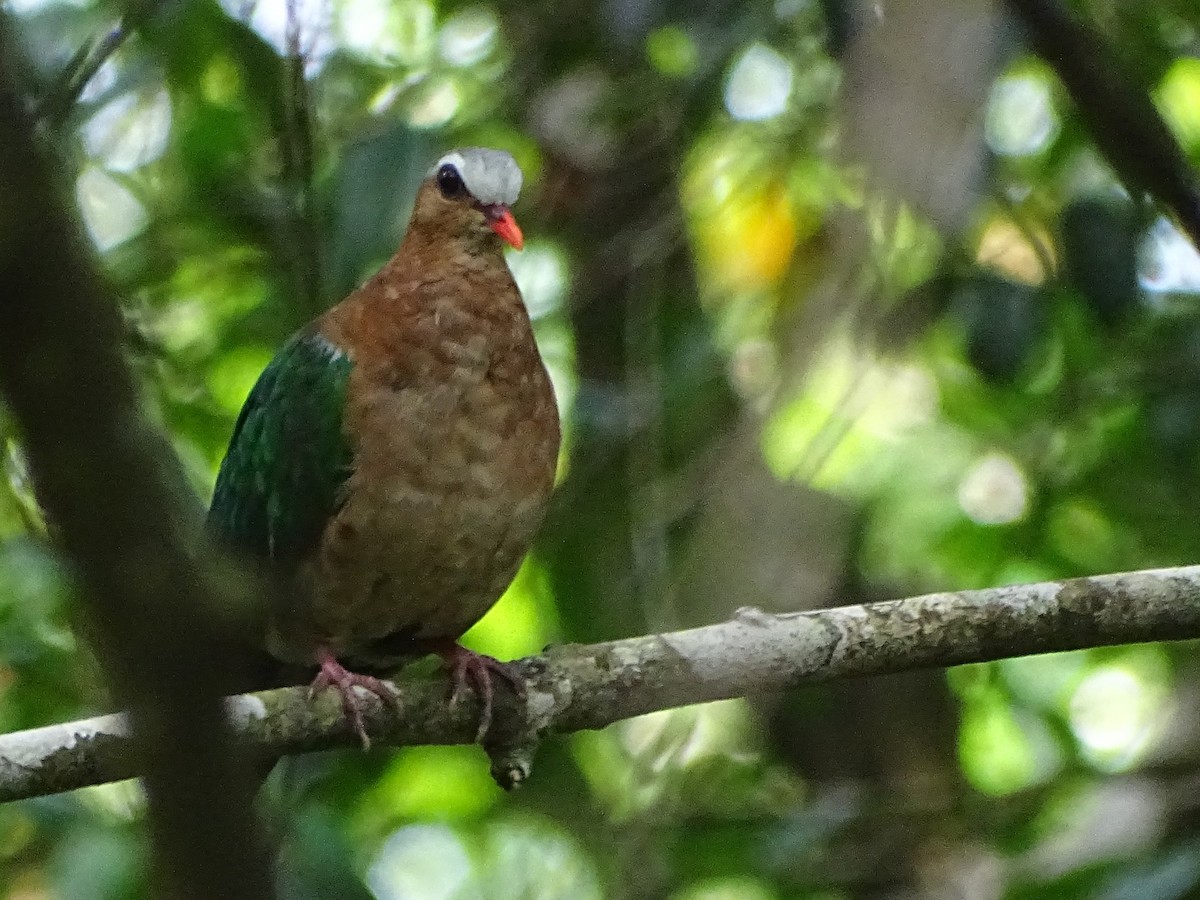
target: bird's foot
334 675
475 670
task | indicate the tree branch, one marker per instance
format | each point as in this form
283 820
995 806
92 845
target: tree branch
94 460
1117 111
60 98
575 687
298 154
81 69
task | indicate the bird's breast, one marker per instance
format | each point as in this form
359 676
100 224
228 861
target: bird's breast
455 449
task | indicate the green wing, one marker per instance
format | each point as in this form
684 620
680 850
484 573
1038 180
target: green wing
282 476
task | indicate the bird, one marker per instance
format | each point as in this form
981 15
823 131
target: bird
392 464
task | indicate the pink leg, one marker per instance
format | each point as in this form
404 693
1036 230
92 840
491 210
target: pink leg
468 668
334 675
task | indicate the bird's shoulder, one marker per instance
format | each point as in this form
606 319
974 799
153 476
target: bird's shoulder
288 455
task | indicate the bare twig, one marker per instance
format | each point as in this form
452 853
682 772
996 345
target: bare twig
576 687
82 68
56 105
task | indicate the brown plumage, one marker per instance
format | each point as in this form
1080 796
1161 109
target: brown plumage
452 437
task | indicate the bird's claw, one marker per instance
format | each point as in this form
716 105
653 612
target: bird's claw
334 675
468 668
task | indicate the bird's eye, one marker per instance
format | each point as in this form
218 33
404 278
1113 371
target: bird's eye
450 183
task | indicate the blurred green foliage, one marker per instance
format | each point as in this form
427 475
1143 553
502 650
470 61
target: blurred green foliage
784 382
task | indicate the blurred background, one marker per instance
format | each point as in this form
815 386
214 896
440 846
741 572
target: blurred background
841 303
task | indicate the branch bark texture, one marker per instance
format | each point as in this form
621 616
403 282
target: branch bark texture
575 687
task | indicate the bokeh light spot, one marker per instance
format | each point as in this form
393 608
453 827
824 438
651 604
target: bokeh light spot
235 373
433 783
270 19
994 491
996 755
469 36
672 51
540 271
222 83
416 35
1020 116
129 131
1178 97
435 103
420 862
748 243
521 622
1115 713
1168 261
759 84
1007 249
536 859
111 213
365 27
103 81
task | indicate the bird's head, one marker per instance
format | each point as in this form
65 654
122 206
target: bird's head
469 193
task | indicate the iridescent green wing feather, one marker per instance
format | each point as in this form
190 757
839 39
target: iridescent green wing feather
282 477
